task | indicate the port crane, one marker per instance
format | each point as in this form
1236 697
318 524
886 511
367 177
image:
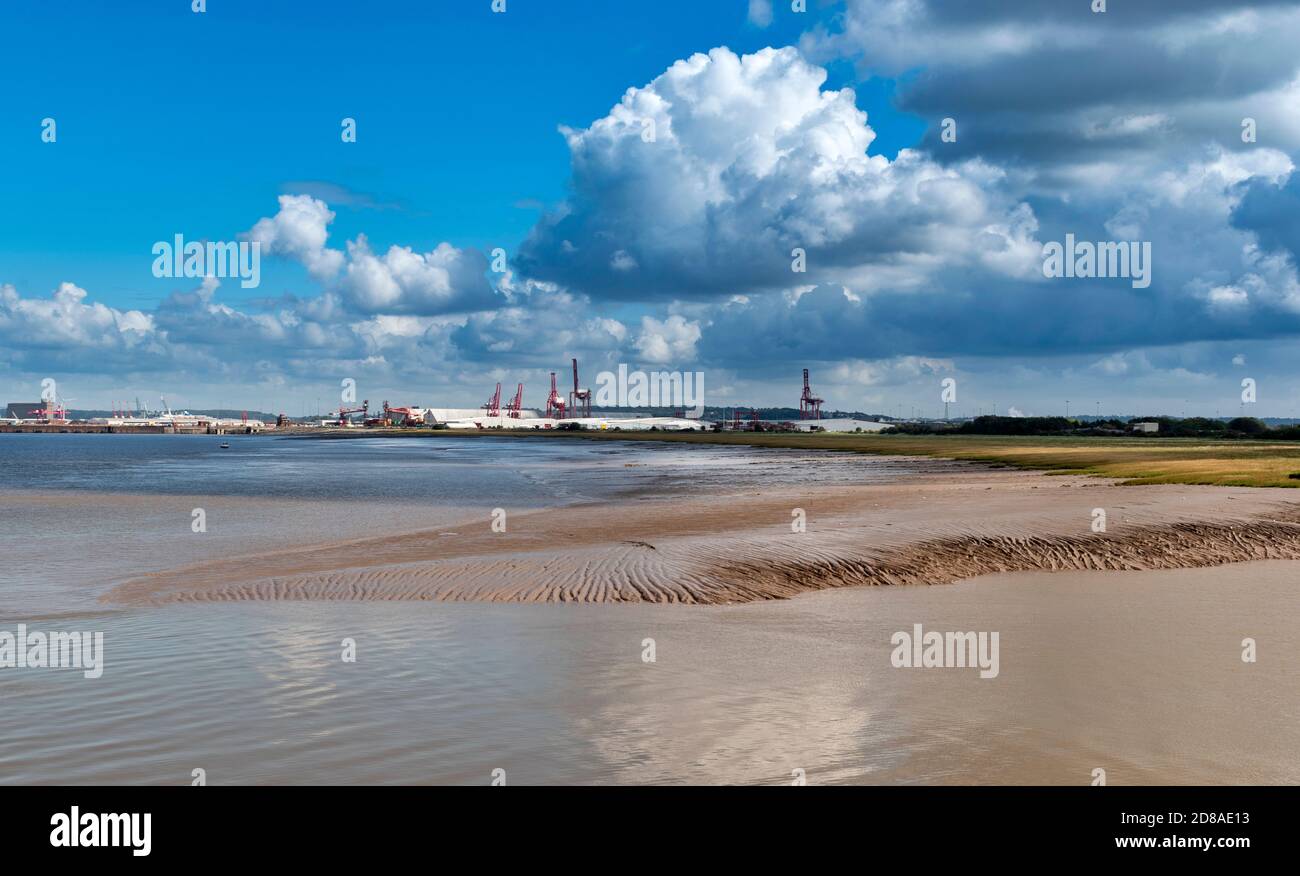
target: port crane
409 416
579 399
55 410
493 406
736 424
810 407
555 406
344 413
515 407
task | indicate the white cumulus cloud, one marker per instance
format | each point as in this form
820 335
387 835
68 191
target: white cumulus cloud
752 160
300 230
668 341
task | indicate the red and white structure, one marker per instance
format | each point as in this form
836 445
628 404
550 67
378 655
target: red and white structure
516 404
344 413
810 407
555 406
493 406
579 399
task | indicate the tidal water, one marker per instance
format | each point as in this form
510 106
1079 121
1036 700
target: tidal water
1138 674
79 513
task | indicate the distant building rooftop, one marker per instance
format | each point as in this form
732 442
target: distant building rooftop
841 425
23 410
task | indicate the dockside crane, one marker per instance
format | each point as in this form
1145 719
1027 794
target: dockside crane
493 406
409 415
344 413
810 407
555 406
515 407
579 399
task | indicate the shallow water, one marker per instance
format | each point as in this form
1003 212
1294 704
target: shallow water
1138 674
81 512
1135 673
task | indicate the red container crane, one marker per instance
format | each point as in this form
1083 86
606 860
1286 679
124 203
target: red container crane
409 417
554 404
493 406
344 413
515 407
810 407
579 399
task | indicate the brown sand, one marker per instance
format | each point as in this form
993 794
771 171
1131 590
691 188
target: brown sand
935 529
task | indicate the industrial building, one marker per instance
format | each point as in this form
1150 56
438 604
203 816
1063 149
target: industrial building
24 410
602 424
840 425
575 411
53 417
571 412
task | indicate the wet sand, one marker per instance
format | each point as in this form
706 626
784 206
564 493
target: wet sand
1136 673
935 528
1120 650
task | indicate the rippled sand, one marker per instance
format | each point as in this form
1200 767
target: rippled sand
215 660
1136 673
934 529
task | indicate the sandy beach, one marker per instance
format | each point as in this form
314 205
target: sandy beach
523 649
936 528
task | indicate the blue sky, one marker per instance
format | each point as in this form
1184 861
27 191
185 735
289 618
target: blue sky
518 130
171 121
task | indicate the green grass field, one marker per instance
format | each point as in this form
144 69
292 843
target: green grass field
1132 460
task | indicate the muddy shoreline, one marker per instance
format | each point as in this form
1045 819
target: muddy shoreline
935 528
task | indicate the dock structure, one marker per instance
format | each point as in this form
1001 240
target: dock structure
250 428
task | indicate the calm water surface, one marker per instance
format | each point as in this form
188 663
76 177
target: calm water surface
1135 673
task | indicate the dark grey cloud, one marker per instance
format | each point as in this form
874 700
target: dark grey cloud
1050 82
1272 212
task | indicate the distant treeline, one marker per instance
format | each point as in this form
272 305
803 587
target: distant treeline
1169 427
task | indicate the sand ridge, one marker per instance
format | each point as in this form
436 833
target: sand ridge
935 529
